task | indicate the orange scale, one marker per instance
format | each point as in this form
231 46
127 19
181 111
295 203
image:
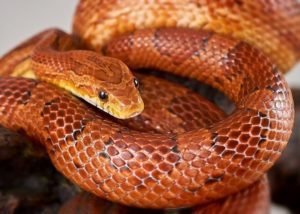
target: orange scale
67 156
133 165
250 151
241 148
126 187
134 181
103 173
98 145
237 158
83 157
90 151
118 162
96 178
72 151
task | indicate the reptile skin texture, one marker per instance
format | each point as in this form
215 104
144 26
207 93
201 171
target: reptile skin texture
162 159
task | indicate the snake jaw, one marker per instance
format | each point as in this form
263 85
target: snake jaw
121 111
114 107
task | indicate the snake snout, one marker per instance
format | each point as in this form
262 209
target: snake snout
128 111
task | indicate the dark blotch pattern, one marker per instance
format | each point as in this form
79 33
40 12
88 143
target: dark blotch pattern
153 170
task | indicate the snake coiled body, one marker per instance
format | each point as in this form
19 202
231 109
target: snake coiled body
177 169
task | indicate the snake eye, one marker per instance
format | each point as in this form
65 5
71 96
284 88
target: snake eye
103 95
136 83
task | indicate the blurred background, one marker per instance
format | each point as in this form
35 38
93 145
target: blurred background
21 19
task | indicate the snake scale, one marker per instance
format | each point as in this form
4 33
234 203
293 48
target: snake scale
237 46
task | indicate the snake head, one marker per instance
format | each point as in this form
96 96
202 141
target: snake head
104 82
121 103
112 87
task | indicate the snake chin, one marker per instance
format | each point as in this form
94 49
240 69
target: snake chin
125 112
114 108
112 105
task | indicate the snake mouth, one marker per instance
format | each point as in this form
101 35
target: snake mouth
134 114
114 108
